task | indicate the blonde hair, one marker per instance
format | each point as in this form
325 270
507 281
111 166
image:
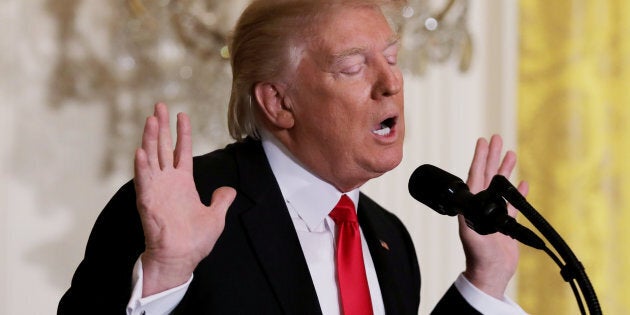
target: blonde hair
265 45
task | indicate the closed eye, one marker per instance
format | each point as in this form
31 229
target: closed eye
349 62
392 60
391 53
355 69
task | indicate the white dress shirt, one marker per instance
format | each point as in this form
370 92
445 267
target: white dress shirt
309 200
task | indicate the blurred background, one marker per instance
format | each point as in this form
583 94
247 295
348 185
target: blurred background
78 77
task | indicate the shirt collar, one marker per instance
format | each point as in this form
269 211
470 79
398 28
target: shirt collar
311 197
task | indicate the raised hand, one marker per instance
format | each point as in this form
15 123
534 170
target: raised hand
491 260
179 229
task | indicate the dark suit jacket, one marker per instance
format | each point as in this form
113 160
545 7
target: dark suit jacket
257 265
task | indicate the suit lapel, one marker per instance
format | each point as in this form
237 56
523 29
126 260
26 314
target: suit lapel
380 255
272 233
389 255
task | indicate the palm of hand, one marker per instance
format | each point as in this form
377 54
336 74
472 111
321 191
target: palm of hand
491 260
177 226
179 229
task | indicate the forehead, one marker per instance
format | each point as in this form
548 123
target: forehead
351 27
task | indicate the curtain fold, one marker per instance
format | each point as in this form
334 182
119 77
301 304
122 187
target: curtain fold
574 145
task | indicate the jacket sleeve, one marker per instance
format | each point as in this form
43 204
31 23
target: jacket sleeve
454 303
102 282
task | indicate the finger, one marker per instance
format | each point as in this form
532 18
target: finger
183 148
150 141
508 164
141 169
165 143
475 173
493 159
523 189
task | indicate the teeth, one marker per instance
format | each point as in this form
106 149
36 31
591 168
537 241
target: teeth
383 132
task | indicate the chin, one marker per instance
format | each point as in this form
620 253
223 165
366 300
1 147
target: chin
386 164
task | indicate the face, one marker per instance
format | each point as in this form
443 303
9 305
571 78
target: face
346 98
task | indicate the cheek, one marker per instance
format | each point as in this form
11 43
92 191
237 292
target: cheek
354 107
333 111
359 91
320 124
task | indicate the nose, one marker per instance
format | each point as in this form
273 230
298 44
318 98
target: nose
388 80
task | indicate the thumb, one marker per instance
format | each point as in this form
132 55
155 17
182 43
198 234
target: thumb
221 200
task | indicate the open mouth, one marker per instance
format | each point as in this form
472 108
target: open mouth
385 127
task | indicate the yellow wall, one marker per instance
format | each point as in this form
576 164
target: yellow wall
574 144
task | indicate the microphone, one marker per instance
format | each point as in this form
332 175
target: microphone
484 212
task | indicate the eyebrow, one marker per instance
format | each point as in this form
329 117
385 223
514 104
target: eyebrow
393 41
337 58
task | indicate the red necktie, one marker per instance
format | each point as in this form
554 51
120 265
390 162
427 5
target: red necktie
353 286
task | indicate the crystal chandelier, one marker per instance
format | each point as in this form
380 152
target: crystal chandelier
435 36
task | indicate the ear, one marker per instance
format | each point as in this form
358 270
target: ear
271 100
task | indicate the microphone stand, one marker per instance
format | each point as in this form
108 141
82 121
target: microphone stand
572 270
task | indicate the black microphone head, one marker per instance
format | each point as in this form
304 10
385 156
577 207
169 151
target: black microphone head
436 188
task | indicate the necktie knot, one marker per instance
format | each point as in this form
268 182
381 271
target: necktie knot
344 211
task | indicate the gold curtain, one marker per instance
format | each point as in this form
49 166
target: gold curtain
574 145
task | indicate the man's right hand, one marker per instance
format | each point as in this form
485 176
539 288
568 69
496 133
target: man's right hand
179 229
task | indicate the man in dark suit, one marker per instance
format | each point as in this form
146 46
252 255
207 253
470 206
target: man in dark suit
317 110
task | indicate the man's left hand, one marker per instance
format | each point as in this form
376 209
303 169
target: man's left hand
491 260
